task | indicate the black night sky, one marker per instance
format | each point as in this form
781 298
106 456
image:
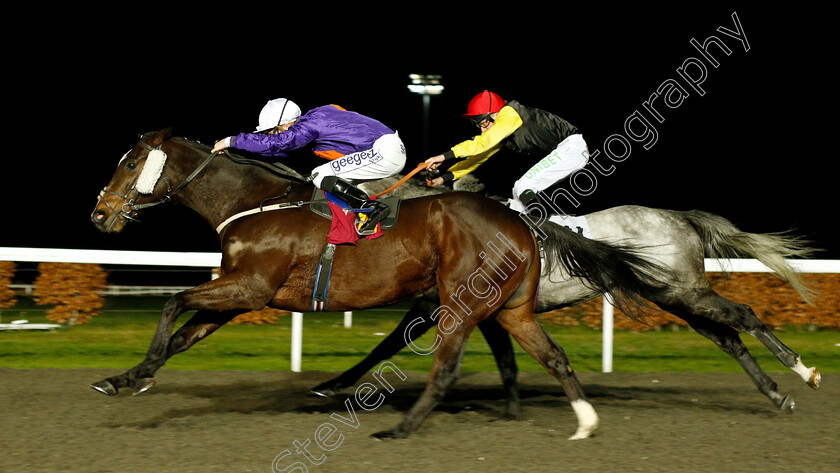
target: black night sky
755 147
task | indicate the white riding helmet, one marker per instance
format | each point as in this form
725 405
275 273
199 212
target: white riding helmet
277 112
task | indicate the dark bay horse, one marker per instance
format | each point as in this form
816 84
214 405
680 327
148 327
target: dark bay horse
678 239
470 253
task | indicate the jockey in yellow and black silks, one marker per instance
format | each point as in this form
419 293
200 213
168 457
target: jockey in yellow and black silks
555 146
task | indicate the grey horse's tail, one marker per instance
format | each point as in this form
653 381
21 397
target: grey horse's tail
722 239
613 269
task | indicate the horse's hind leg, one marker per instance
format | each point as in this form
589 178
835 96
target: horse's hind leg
533 338
499 341
445 371
721 311
742 318
420 321
787 356
393 343
728 340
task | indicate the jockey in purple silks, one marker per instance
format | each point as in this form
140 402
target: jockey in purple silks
357 147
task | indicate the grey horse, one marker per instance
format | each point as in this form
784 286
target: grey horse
678 239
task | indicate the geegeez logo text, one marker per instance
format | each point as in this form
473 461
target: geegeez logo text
355 160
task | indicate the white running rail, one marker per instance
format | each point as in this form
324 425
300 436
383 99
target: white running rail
213 260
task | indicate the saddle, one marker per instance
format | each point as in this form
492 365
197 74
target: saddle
320 206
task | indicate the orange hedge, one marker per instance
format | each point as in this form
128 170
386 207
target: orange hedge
772 300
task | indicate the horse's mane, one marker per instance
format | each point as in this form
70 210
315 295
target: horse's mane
193 143
276 168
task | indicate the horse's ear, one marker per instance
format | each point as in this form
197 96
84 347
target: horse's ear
161 136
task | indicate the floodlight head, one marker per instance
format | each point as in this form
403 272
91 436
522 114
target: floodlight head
426 84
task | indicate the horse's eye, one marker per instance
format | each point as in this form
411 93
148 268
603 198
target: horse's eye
130 165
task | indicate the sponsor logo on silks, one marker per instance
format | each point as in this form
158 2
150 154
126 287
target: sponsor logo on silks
402 149
355 159
544 164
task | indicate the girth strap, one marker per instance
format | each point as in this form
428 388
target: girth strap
261 209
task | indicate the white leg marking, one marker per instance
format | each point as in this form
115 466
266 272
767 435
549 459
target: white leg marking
803 371
587 419
809 375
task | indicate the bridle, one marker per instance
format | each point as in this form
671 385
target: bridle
129 208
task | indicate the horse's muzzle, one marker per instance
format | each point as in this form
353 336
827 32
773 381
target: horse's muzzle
105 221
99 218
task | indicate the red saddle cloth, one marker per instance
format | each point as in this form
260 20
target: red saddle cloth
343 226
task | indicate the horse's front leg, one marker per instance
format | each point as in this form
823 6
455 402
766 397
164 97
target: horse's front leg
228 296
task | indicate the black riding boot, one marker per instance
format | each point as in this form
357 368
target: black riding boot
358 199
527 197
536 216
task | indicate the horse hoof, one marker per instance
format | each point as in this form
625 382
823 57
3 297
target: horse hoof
787 405
143 385
583 432
814 382
322 391
506 417
105 387
389 434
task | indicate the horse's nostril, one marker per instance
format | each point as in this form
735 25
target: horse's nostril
98 216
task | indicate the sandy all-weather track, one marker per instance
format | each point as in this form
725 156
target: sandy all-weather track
238 421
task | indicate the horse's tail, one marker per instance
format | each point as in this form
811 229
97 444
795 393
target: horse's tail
722 239
604 267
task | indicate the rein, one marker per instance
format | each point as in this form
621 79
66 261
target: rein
289 205
419 168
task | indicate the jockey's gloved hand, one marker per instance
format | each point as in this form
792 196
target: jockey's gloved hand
426 174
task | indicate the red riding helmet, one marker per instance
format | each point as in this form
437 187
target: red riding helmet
484 103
